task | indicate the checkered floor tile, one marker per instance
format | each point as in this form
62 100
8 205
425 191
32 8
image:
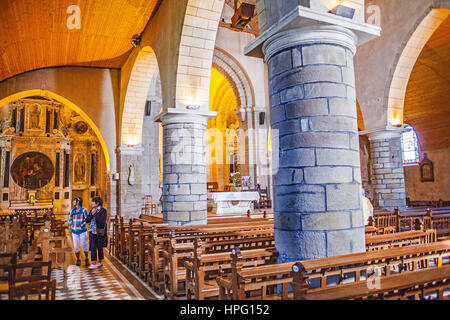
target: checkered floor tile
85 284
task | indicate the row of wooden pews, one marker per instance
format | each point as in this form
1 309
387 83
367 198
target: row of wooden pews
235 258
407 220
157 252
399 273
26 274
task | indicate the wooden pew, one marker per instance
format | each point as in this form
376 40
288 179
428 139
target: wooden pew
436 218
139 239
357 264
334 271
125 233
180 249
159 241
416 285
203 269
386 241
264 282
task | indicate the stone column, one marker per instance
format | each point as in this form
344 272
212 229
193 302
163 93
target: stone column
317 187
130 185
388 179
184 168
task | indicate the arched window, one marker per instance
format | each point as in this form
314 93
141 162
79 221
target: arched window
410 147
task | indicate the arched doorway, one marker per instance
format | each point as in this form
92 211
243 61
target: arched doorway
222 133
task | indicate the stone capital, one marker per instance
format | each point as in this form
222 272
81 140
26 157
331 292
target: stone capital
383 134
130 150
184 116
301 19
311 34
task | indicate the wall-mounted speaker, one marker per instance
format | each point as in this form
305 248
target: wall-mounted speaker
262 118
148 108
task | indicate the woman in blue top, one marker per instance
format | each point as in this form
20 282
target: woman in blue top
77 223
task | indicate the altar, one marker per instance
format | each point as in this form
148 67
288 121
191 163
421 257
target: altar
233 202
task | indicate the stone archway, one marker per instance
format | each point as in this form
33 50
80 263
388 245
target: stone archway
136 96
196 53
49 94
231 69
130 151
410 52
243 90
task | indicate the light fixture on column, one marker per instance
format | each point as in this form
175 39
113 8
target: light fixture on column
343 11
136 40
262 118
395 118
242 15
193 107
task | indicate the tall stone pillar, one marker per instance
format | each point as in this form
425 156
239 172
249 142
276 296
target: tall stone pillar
184 168
317 189
317 185
388 179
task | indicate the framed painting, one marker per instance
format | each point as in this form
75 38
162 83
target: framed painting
32 170
426 169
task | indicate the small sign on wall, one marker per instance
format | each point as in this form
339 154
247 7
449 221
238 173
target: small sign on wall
426 169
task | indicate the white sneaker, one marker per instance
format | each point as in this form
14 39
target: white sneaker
94 266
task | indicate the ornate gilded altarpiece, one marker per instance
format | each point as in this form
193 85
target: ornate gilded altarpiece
49 155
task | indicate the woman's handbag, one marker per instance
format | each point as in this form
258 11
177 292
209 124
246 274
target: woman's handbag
101 232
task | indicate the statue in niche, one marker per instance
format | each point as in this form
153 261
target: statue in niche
35 115
426 169
80 168
364 155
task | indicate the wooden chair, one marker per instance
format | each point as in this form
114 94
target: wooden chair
150 208
264 201
36 290
5 271
23 272
212 186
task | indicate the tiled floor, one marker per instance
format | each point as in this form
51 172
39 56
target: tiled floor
85 284
103 283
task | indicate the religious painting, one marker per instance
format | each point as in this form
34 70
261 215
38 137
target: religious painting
80 168
426 169
32 170
81 127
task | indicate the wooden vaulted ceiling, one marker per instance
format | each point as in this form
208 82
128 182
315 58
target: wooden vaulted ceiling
34 34
427 106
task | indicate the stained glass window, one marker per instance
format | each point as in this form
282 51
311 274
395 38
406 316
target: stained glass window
410 148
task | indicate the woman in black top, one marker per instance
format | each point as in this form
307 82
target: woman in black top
98 237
